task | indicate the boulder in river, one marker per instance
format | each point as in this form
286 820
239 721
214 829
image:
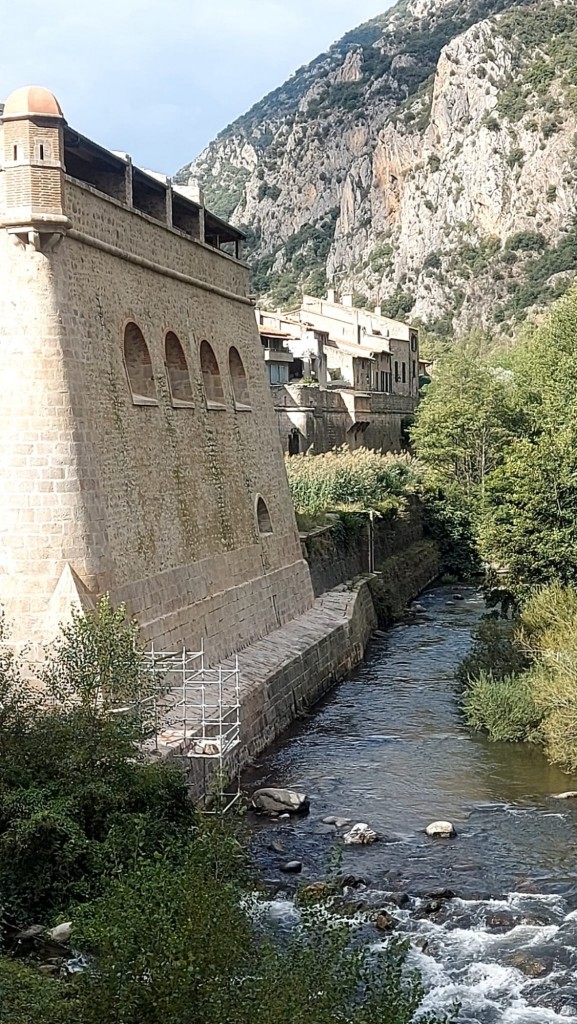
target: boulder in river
440 894
571 794
333 819
280 801
292 867
385 922
361 834
441 830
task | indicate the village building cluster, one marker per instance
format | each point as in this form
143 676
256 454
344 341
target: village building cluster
340 375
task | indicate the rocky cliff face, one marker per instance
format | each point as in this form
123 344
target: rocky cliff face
427 163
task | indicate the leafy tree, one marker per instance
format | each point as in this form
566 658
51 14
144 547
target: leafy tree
77 798
463 424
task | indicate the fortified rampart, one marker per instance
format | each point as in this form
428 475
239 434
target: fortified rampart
139 452
324 419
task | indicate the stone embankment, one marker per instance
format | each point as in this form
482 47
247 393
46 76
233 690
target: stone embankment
285 673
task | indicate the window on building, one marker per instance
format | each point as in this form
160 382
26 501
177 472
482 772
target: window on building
278 373
414 368
211 377
239 380
263 517
404 369
396 370
139 366
15 152
177 371
383 380
414 341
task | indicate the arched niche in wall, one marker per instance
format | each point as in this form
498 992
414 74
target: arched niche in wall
177 371
263 516
239 379
211 377
139 366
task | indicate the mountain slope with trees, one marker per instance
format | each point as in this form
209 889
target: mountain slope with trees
427 162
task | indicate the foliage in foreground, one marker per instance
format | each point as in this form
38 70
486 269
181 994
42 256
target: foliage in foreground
537 703
77 801
161 901
178 941
349 480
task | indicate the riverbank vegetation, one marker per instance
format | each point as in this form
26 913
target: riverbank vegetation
498 440
168 926
348 482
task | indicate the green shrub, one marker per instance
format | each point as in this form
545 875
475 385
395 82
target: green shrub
77 800
504 708
178 939
349 480
496 652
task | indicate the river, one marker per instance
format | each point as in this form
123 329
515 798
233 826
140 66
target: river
388 748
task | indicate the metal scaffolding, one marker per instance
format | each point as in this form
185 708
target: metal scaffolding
197 717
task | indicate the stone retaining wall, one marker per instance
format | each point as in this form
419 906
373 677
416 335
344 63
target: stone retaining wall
287 672
332 559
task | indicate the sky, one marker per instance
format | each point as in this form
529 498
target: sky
160 78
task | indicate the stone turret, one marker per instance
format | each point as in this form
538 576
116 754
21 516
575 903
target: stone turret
33 168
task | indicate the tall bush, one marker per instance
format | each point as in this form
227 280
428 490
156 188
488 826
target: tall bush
78 801
350 480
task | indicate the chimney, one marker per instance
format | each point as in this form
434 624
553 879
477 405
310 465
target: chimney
377 310
347 300
331 295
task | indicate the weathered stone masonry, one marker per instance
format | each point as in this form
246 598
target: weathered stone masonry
150 498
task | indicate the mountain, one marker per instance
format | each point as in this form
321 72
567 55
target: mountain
427 163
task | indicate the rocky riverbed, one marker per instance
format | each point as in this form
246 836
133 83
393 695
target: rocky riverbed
491 913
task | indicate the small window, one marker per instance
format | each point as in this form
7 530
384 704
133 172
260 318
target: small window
44 151
16 152
414 368
177 371
404 369
211 377
396 370
139 367
239 381
263 517
41 151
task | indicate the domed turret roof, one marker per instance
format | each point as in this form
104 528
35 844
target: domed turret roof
30 101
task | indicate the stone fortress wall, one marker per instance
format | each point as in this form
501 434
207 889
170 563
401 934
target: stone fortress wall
139 451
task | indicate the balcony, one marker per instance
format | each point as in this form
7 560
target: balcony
278 355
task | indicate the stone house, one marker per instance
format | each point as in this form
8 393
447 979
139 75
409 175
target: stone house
366 370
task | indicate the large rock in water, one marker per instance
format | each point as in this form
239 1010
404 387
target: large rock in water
360 835
441 830
280 801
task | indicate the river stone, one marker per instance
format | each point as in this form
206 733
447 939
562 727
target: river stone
532 966
398 899
61 933
276 846
29 934
385 922
441 830
333 819
292 867
440 894
360 835
280 801
571 794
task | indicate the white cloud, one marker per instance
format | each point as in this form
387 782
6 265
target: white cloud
159 78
